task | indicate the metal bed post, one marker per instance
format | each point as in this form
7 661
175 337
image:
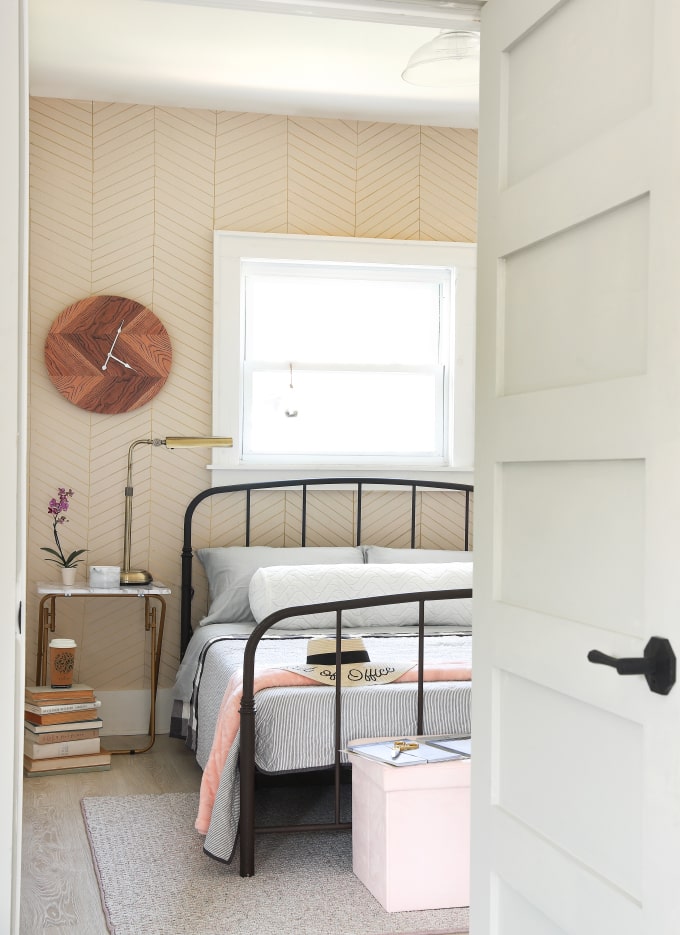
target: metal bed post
303 533
247 768
338 716
413 516
421 662
467 520
360 489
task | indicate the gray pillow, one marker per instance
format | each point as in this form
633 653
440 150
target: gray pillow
379 555
230 568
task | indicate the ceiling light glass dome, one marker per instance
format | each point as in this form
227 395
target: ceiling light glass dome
451 59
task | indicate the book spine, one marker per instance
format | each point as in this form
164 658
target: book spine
63 717
28 773
43 751
61 708
80 698
92 723
60 736
57 762
76 691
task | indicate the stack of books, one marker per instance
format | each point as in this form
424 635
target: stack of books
62 731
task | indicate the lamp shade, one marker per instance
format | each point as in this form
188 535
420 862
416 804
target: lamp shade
187 441
451 59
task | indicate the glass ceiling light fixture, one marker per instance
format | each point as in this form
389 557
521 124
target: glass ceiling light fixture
137 575
449 60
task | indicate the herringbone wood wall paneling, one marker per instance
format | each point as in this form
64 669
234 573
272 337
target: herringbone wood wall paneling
124 200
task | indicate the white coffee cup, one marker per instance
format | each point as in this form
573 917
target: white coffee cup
104 576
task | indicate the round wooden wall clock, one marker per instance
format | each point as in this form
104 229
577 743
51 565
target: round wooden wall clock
108 354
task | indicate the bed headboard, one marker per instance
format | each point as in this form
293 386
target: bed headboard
360 486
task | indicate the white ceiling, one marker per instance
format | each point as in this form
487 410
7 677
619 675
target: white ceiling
211 54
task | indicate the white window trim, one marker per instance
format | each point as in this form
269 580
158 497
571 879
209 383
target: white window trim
230 247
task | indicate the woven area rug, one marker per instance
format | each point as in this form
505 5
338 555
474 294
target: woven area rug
155 879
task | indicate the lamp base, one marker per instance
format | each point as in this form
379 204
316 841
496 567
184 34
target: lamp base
135 576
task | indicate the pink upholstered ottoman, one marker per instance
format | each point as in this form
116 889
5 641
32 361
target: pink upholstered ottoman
411 833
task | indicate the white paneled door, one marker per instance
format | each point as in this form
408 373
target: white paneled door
576 778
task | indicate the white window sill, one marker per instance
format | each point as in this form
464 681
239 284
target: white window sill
254 473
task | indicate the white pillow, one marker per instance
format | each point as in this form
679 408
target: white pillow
275 588
230 568
382 555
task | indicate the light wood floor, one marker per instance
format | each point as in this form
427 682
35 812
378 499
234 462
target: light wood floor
59 890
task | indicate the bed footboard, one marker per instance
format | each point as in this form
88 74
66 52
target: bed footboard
247 827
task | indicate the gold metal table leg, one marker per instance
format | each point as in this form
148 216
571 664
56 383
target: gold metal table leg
46 622
156 627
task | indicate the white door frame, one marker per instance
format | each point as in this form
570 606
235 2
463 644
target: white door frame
13 336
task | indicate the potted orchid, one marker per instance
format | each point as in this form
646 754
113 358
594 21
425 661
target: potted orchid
56 508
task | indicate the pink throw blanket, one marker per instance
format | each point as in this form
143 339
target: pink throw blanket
228 719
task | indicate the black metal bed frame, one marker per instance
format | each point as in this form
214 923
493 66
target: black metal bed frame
247 827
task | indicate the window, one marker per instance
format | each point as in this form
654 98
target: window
343 352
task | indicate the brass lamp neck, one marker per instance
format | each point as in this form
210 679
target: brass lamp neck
172 441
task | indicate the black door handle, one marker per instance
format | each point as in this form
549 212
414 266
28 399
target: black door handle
657 665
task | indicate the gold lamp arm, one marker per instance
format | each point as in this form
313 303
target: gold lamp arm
139 576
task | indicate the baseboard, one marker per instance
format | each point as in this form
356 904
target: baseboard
127 712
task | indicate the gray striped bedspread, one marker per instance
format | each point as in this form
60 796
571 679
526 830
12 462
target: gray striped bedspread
294 726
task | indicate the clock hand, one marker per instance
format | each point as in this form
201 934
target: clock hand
120 361
110 355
